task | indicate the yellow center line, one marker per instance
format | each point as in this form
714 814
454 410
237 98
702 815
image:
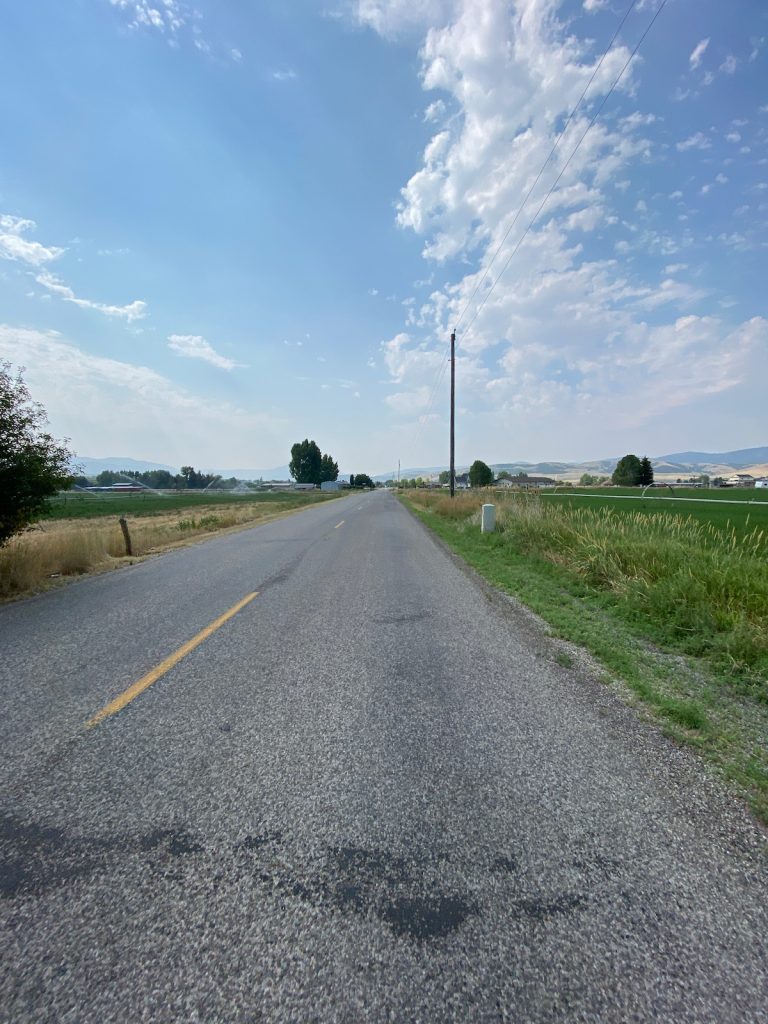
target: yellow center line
339 524
165 666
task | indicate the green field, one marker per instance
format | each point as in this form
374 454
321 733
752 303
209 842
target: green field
80 505
741 510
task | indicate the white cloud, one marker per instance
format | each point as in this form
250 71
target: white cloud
285 75
192 346
91 399
590 6
167 16
393 17
696 141
733 137
236 55
135 310
729 65
435 111
14 246
698 52
567 336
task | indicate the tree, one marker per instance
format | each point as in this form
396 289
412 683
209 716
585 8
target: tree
362 480
504 475
33 465
480 475
445 477
587 480
329 470
627 472
351 479
305 462
646 472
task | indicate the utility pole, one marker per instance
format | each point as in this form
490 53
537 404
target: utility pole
453 410
398 473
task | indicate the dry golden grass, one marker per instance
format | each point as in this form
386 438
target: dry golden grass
71 547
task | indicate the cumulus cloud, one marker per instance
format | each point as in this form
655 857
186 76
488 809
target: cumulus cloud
566 335
193 346
135 310
15 246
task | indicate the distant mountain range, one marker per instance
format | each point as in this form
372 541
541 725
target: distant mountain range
676 464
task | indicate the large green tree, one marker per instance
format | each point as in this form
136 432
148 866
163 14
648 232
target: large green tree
646 472
627 472
305 462
480 475
34 466
329 470
361 480
309 465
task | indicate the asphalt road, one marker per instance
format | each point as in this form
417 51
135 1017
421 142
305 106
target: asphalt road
371 795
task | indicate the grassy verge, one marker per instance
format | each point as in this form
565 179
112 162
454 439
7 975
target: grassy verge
674 608
57 549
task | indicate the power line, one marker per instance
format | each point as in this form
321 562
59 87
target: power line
565 165
543 166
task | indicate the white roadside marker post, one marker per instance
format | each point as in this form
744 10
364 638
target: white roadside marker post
488 521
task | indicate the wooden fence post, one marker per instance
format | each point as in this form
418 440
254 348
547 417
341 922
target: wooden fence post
126 535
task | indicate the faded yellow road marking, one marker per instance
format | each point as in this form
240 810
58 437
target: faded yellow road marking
339 524
159 670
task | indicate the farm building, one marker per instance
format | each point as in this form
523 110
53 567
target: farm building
526 482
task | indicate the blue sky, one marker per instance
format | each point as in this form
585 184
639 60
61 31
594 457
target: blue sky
226 227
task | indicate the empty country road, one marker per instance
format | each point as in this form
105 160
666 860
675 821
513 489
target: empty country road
350 786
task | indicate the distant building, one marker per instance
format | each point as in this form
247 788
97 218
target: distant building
525 482
740 480
304 487
762 482
330 485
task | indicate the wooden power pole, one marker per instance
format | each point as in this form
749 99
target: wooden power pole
453 411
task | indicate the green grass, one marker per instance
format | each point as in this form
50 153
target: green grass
724 494
675 608
78 505
739 510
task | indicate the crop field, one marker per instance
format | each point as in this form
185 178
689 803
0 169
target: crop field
81 533
741 510
91 505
